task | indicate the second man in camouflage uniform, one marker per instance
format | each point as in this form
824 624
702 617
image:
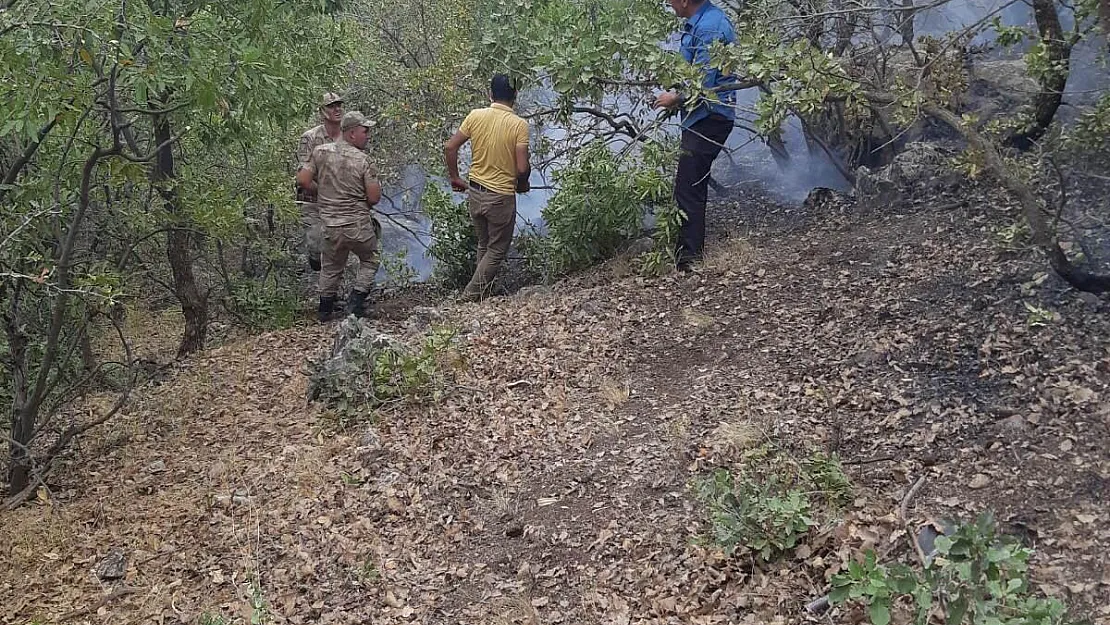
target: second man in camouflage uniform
331 112
346 182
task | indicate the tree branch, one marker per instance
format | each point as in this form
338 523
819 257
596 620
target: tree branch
74 431
25 157
64 263
1032 207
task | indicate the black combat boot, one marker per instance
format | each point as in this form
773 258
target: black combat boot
356 304
327 309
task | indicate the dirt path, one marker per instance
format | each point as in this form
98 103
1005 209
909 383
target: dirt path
549 484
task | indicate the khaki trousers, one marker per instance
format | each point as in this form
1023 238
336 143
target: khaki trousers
359 238
494 217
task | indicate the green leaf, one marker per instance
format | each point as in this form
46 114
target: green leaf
880 613
943 545
957 608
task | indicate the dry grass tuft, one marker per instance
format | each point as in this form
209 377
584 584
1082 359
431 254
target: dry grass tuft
697 319
613 392
731 438
732 254
31 537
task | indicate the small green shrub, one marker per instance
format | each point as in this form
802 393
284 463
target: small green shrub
1092 128
769 502
454 243
601 204
754 515
602 201
976 577
826 475
399 373
592 214
367 574
535 249
367 369
263 305
1013 237
260 609
668 223
208 618
398 272
1038 316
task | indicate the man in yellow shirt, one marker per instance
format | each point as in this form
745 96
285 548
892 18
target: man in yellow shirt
498 170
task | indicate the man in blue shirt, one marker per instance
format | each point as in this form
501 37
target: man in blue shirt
706 126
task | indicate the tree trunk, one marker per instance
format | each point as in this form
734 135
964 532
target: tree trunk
1052 82
28 393
194 303
905 23
778 151
1104 19
1031 205
22 427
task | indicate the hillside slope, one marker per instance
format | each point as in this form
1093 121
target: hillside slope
550 482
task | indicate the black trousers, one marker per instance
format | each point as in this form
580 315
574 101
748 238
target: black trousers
701 143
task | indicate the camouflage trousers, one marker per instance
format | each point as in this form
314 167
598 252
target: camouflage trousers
359 238
313 236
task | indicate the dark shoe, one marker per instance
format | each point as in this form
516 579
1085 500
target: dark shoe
686 263
314 262
356 304
327 310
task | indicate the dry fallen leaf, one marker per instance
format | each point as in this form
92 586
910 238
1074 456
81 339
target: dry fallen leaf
980 480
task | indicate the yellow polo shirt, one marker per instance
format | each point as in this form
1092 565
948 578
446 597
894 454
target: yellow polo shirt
494 133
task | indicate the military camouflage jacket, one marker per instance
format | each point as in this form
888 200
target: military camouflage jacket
341 172
310 140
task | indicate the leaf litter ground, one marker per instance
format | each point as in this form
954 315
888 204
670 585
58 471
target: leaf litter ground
550 481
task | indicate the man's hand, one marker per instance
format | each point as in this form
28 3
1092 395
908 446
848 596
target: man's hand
306 181
451 158
522 184
667 100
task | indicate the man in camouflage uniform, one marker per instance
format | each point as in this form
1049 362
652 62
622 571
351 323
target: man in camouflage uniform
331 112
346 183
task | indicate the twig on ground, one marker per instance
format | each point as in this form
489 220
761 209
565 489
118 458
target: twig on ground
903 510
112 596
868 460
910 494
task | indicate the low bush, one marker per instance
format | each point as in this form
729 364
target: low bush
769 502
366 369
975 576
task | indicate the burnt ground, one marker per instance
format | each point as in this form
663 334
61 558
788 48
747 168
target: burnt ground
549 480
